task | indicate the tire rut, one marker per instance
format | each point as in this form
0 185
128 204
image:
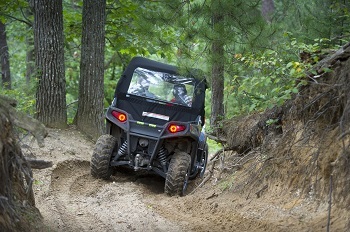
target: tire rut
83 203
71 181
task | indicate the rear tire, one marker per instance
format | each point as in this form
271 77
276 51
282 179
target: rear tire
178 174
101 157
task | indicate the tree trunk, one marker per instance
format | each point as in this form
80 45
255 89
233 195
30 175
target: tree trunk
17 205
218 68
89 118
5 59
49 57
267 9
30 56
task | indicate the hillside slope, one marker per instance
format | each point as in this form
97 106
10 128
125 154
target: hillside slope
305 152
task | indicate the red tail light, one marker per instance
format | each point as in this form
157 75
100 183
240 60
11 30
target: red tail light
120 116
173 128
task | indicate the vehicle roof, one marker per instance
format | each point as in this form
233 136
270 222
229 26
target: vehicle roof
143 62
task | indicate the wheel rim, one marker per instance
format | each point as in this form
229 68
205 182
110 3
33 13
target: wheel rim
203 163
185 185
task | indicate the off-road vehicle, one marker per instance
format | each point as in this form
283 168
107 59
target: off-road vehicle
155 123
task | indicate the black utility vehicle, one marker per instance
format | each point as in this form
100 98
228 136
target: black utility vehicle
155 123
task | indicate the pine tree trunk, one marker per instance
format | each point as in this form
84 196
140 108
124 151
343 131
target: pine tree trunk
49 56
4 56
89 118
267 9
30 56
218 68
217 87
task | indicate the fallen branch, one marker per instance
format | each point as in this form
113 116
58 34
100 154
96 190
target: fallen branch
259 192
217 139
211 171
39 164
343 134
21 120
222 165
217 154
328 62
212 195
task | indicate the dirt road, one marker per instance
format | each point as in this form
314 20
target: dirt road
69 199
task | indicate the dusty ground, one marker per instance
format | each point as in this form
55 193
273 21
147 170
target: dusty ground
69 199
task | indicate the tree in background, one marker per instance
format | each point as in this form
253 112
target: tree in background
5 59
30 56
261 41
217 65
225 28
308 20
89 117
49 59
207 35
267 9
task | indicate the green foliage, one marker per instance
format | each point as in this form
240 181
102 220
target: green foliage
227 183
267 78
37 182
262 60
24 93
7 7
314 19
213 146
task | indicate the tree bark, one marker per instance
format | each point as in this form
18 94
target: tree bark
30 56
16 179
267 9
218 68
5 60
49 57
89 117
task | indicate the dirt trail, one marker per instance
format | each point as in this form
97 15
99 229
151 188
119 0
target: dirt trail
84 203
69 199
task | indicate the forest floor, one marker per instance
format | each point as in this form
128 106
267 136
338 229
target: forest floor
69 199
